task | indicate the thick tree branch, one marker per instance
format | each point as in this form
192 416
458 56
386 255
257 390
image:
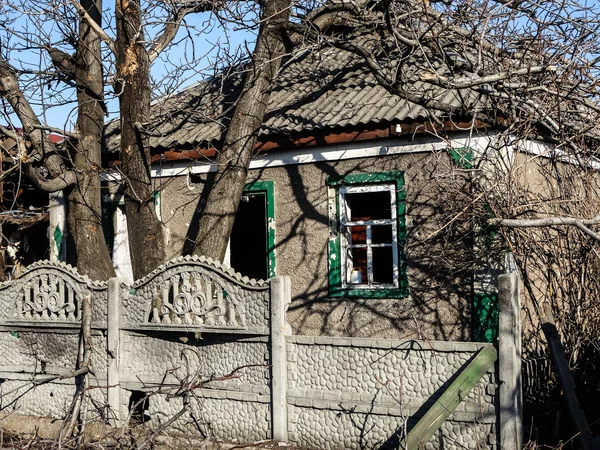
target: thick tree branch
95 27
587 230
32 128
60 131
63 181
469 82
547 222
326 15
399 36
63 62
10 90
550 221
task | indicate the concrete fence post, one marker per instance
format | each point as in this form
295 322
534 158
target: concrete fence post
280 299
113 320
509 363
57 223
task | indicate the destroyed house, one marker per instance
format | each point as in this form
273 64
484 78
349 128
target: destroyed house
352 193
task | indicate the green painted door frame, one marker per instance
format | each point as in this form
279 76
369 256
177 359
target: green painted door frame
266 188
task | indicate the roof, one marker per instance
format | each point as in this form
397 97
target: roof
327 89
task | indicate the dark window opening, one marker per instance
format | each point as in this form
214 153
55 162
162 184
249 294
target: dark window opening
383 265
138 407
369 205
248 242
381 234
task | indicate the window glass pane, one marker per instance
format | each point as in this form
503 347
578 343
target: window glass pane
369 205
357 234
359 263
383 265
381 234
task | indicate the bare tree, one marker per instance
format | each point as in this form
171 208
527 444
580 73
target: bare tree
51 169
73 68
238 146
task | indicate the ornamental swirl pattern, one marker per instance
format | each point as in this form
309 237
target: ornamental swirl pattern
45 297
194 298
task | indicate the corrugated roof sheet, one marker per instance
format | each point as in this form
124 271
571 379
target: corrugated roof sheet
317 90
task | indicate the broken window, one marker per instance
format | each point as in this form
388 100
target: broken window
251 247
367 238
248 246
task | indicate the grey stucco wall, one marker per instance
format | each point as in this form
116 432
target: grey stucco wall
439 275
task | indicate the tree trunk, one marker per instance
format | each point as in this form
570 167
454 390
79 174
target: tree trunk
133 69
233 161
85 208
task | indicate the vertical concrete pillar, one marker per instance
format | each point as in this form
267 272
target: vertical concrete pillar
509 362
280 299
57 225
113 320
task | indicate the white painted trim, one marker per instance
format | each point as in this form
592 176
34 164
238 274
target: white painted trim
307 155
345 245
364 149
121 254
58 219
550 151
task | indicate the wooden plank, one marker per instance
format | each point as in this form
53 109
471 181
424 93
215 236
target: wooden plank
450 399
559 359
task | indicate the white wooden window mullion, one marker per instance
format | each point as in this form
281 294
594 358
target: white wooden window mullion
369 256
345 228
395 259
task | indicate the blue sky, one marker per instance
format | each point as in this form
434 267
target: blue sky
201 45
207 41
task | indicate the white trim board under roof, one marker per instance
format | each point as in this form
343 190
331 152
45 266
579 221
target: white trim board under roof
480 145
307 155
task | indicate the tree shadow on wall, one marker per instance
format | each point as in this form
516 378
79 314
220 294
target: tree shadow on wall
438 248
366 422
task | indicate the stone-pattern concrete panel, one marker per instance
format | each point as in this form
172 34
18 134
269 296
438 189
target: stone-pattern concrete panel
150 357
42 351
339 430
217 417
47 400
408 373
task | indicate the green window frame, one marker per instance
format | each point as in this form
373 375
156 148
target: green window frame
337 185
266 187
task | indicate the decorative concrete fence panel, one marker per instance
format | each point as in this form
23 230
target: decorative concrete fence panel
196 341
40 326
196 322
363 393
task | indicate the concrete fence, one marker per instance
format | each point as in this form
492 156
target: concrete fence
197 327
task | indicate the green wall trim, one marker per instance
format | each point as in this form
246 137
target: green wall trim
485 304
266 187
365 178
485 317
462 157
335 269
58 240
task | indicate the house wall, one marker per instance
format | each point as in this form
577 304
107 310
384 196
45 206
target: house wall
438 246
